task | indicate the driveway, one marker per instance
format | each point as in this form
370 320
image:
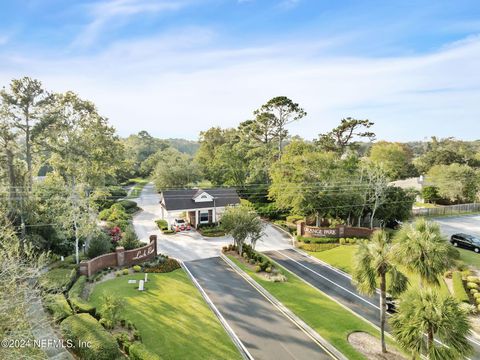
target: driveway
190 245
469 224
264 331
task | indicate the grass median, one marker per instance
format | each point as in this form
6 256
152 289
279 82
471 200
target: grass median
173 319
332 321
342 257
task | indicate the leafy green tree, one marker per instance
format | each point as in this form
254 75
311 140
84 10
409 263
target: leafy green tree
243 224
440 317
455 182
397 205
99 245
278 112
374 262
396 159
23 104
309 182
424 251
129 239
430 194
174 170
446 152
342 137
19 264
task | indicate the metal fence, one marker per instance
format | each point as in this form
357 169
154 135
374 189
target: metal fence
447 210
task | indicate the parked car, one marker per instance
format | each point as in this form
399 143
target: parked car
466 241
180 225
392 304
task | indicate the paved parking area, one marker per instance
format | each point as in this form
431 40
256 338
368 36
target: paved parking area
469 224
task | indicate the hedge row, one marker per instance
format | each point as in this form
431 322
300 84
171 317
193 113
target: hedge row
162 224
317 247
83 328
458 288
74 296
58 306
312 240
138 351
57 280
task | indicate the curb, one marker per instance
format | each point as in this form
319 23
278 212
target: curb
287 312
238 343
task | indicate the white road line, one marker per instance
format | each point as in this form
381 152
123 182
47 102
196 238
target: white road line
436 340
236 340
327 279
252 283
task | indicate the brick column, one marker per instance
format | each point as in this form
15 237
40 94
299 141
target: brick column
120 251
300 228
154 238
341 231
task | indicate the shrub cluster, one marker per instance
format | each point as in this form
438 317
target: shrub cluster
130 206
254 258
458 288
116 216
58 306
75 297
58 279
211 230
138 351
85 328
317 247
99 245
292 219
161 264
162 224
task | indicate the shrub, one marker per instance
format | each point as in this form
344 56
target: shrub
118 273
111 309
84 328
57 280
79 305
258 269
472 279
294 218
162 224
168 232
472 285
326 240
458 288
268 269
58 306
317 247
129 239
129 206
138 351
477 300
137 268
473 291
99 245
125 272
476 295
161 264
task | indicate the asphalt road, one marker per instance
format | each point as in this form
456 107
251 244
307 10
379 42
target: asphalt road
330 281
337 285
468 224
265 331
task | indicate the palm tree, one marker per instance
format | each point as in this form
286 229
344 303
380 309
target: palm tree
423 250
375 261
423 316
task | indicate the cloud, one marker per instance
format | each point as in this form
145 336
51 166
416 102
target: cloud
113 13
181 82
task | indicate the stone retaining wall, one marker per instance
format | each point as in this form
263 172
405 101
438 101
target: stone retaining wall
120 257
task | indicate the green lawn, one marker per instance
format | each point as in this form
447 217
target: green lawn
470 258
328 318
173 319
137 188
342 258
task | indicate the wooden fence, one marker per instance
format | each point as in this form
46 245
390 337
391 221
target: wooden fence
447 210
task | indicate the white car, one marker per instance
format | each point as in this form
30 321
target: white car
180 225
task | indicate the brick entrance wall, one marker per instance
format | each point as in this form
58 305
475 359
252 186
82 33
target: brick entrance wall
120 257
336 232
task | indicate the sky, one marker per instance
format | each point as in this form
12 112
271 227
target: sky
177 67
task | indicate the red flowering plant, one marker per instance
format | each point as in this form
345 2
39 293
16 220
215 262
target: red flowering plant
115 234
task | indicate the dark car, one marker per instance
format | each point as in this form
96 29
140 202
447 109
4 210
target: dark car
466 241
392 304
